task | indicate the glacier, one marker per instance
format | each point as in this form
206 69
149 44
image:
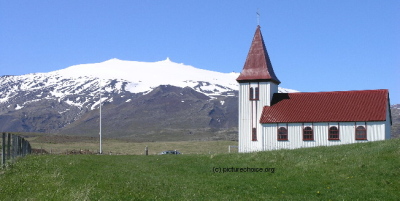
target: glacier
115 76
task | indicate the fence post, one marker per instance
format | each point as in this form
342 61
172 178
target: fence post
13 147
23 147
8 146
16 146
29 148
19 146
3 150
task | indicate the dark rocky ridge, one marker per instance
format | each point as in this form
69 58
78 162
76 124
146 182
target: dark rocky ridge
166 112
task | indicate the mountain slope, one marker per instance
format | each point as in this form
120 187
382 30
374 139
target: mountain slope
167 113
140 99
395 111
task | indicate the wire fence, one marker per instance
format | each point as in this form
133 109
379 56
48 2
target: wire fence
13 146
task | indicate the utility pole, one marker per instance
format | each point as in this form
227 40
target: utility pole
101 151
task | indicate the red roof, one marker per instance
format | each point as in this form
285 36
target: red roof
336 106
258 66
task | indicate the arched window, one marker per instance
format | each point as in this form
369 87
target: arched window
308 133
282 133
361 133
333 133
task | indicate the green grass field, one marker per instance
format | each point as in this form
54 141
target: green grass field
364 171
120 147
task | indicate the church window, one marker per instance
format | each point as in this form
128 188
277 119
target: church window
308 134
251 93
333 133
254 134
257 94
361 133
282 133
254 93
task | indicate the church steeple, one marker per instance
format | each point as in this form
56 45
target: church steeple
257 85
258 66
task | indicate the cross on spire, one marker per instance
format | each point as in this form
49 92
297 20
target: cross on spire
258 17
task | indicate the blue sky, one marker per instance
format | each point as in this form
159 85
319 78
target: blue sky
314 45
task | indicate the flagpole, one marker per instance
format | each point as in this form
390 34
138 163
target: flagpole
101 151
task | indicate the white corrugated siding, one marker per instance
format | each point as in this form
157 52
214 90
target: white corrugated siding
266 91
244 119
375 132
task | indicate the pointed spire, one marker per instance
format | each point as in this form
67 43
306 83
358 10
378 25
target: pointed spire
258 66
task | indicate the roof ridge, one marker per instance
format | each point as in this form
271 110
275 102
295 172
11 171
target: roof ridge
351 91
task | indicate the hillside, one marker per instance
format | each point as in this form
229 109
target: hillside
395 111
167 113
362 171
141 100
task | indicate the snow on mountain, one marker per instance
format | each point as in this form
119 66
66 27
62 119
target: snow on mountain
144 76
50 102
116 77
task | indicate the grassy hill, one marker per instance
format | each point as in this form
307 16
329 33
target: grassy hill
364 171
395 111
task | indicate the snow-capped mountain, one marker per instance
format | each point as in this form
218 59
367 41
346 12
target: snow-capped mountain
144 76
115 76
51 102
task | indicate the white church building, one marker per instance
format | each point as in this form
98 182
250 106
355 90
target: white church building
269 120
